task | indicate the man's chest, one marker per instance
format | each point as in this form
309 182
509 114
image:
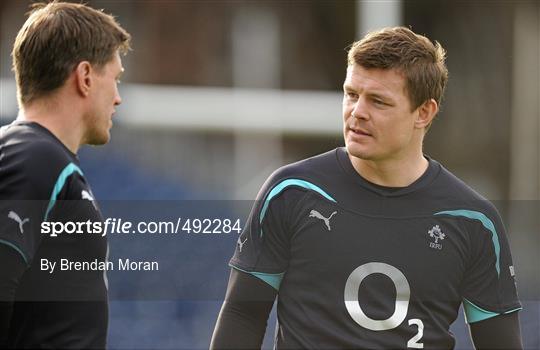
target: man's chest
427 255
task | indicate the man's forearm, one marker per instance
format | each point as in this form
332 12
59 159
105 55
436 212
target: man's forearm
500 332
242 321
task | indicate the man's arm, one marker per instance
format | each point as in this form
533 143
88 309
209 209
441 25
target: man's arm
242 321
500 332
12 268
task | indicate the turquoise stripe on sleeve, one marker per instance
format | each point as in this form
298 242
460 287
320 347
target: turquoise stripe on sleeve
287 183
487 224
513 310
9 244
60 182
273 279
474 313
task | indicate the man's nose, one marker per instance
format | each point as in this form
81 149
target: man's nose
359 109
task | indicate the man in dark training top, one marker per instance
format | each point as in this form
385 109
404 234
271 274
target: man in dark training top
374 245
66 60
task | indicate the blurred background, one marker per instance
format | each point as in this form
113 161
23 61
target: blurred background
218 94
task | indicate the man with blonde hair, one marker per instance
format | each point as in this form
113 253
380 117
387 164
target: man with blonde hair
374 245
66 60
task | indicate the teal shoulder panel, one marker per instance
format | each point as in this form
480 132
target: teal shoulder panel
287 183
474 313
486 222
273 279
60 182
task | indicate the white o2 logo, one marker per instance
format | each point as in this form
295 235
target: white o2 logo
403 295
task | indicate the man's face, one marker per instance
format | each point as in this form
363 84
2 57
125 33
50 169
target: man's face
105 98
378 123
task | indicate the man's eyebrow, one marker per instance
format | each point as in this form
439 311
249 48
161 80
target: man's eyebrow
377 94
380 95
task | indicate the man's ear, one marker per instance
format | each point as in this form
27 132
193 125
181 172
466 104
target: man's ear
426 112
83 78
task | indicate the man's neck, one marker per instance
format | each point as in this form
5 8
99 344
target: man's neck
391 173
57 119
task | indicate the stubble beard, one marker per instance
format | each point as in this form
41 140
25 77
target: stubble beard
96 133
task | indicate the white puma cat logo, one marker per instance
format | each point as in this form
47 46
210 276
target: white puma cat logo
316 214
12 215
86 195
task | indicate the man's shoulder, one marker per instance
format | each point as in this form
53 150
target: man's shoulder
314 173
30 161
312 167
460 194
457 188
29 142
